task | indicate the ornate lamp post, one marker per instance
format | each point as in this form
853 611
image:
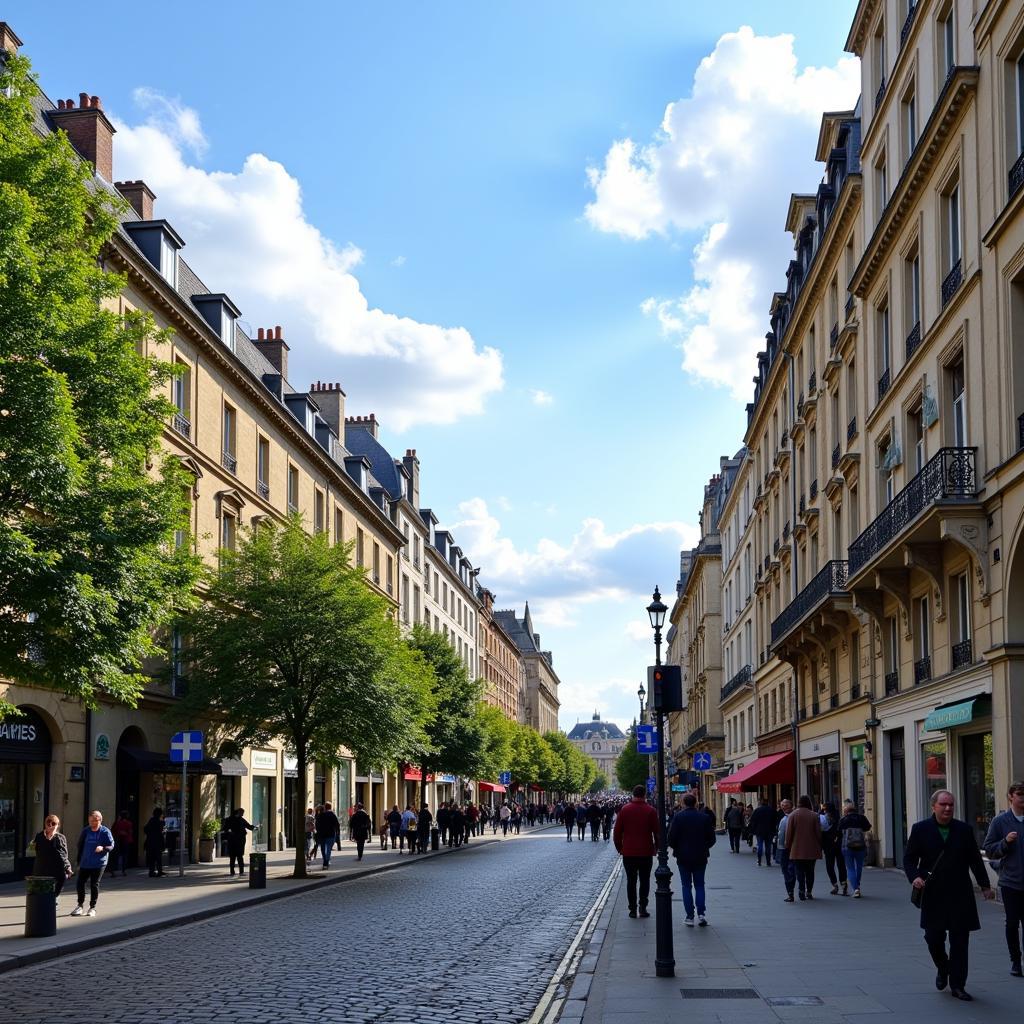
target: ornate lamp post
641 693
664 957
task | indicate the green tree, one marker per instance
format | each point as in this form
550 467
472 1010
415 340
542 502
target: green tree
532 759
600 783
631 768
497 740
455 737
293 644
572 763
87 566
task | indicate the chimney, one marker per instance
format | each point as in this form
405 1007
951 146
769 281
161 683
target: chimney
367 423
274 348
139 195
9 42
412 465
331 400
89 131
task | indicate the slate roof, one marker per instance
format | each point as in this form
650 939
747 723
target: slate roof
606 730
516 629
361 442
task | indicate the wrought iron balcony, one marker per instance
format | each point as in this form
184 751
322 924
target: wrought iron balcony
833 336
952 282
263 489
697 735
948 474
229 462
829 582
814 489
835 456
907 24
182 425
1017 176
849 307
922 670
851 429
855 691
962 654
744 676
833 700
883 383
914 340
892 683
880 95
812 383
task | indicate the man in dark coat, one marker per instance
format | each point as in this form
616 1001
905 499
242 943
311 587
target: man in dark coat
361 827
456 826
236 827
691 836
327 827
941 855
444 817
569 820
763 823
594 820
635 836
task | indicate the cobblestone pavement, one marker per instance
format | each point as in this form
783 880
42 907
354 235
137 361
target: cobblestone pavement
440 940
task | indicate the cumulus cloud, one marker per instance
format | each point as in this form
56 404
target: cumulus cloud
248 235
723 164
541 397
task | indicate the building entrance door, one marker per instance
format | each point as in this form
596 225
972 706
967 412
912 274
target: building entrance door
898 795
261 813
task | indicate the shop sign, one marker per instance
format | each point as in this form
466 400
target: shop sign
819 746
291 764
446 778
24 740
857 751
103 747
264 760
950 717
76 773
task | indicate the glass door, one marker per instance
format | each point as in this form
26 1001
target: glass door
979 785
260 813
8 817
898 796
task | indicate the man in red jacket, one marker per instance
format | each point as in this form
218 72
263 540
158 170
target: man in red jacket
636 839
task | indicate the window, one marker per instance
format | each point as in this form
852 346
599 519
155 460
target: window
263 467
908 109
922 629
228 459
884 340
293 488
360 547
854 514
228 531
338 525
376 563
878 60
886 472
168 260
180 388
912 291
947 43
916 435
854 665
177 663
391 572
951 226
958 400
881 185
415 604
319 517
1019 96
892 654
405 598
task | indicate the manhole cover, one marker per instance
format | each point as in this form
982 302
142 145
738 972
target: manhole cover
794 1001
719 993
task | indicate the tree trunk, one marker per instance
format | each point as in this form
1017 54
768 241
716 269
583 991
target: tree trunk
299 814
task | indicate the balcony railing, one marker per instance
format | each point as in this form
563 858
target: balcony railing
892 683
953 281
880 95
1017 176
948 474
744 676
851 429
833 336
833 700
803 504
812 383
914 340
697 735
829 582
962 654
855 691
835 457
849 307
229 462
922 670
263 489
907 24
883 383
182 424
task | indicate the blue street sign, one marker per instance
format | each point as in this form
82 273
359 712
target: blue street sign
186 747
505 778
646 739
651 784
702 761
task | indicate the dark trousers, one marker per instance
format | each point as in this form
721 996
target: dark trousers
1013 906
788 871
638 869
568 831
734 839
239 855
593 830
955 963
155 862
804 874
764 846
581 827
834 860
92 876
360 843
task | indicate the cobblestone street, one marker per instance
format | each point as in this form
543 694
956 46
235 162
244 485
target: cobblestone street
473 936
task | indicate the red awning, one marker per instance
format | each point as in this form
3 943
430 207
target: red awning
415 775
765 771
534 788
490 787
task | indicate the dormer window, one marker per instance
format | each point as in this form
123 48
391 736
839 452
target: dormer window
220 313
159 243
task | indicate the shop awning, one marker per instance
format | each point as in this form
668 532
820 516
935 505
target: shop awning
415 775
765 771
136 759
534 788
490 787
949 716
231 766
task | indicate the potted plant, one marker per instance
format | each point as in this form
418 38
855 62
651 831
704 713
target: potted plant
208 831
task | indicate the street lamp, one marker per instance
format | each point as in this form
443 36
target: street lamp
641 693
664 958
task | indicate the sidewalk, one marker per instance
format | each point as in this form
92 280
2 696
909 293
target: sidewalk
830 961
133 906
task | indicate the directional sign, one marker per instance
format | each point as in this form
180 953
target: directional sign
186 747
702 761
505 778
678 787
646 739
651 784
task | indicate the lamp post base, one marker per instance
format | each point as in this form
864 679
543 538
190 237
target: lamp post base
664 958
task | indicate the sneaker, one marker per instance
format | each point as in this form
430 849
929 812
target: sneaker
632 913
835 890
91 912
846 889
78 911
856 894
1015 969
689 922
788 899
810 896
702 920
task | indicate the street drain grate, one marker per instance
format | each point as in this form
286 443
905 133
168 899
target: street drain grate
794 1001
719 993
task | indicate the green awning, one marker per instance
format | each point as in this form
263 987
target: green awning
949 716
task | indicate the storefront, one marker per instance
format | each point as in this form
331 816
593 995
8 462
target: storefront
820 772
25 753
762 776
262 814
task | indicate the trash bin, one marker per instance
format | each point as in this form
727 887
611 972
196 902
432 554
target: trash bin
40 906
257 871
435 839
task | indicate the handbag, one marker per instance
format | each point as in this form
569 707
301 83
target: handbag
917 895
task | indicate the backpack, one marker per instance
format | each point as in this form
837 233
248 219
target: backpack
854 838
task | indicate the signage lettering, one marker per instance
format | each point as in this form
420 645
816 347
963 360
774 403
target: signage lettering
20 732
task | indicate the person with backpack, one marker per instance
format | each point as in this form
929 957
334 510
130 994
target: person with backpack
1004 846
831 848
853 828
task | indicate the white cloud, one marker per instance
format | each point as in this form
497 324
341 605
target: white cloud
248 235
398 261
541 397
724 163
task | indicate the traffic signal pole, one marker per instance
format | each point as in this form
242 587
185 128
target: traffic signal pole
664 957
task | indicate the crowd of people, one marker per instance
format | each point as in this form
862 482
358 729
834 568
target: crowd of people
597 815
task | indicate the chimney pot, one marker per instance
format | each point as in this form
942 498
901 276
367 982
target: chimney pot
259 334
83 99
140 195
60 104
94 101
277 332
90 132
69 104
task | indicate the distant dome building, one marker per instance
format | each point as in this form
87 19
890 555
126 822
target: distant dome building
602 742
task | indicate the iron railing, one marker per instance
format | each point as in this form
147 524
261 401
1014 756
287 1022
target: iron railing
907 24
883 383
229 462
914 340
833 700
953 281
892 683
963 654
182 425
697 735
1017 175
744 676
814 489
948 474
830 581
849 307
835 456
922 670
263 489
851 429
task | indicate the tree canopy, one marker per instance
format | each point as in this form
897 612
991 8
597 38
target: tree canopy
631 768
600 783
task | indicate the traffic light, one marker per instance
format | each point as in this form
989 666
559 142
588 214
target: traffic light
666 685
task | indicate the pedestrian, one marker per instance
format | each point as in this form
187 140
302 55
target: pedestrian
581 821
123 831
407 837
326 827
51 859
569 820
691 836
788 868
309 831
803 844
506 817
423 823
236 827
940 857
485 816
832 848
456 825
748 836
734 825
1004 846
394 825
853 827
444 816
153 844
472 817
361 826
763 823
636 839
94 847
516 819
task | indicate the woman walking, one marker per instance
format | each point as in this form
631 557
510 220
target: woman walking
52 855
831 847
153 846
803 845
853 828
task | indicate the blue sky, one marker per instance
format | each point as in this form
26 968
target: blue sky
549 291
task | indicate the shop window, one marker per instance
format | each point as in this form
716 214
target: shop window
933 769
979 800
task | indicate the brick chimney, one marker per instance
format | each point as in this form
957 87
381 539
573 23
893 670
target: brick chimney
139 195
89 131
8 40
331 400
274 348
367 423
412 466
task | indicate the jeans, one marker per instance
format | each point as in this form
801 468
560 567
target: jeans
1013 906
854 866
692 877
568 832
92 876
788 871
804 874
764 847
326 844
734 839
955 964
833 860
638 869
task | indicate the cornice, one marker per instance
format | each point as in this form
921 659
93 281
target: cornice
861 23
